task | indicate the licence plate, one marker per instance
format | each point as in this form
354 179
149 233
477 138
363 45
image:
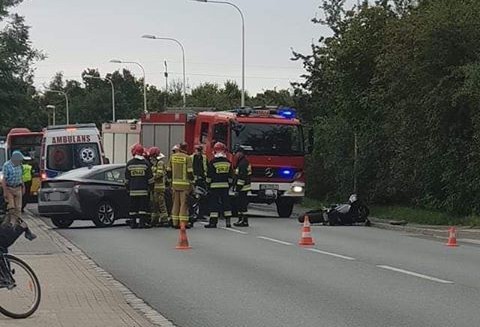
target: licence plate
54 196
269 186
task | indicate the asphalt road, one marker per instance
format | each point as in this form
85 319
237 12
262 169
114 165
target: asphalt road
354 276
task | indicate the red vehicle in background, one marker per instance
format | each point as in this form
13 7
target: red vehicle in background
29 143
272 138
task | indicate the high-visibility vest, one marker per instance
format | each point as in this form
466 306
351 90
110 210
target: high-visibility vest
158 171
27 173
180 169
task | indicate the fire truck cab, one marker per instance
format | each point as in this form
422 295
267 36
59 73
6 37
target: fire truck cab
272 138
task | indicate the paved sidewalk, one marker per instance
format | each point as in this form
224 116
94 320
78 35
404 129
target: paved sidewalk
75 291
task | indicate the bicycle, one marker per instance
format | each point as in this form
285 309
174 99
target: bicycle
20 291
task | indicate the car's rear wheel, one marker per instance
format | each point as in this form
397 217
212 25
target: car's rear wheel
62 222
104 214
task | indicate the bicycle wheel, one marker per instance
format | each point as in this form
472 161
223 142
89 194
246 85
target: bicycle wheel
22 298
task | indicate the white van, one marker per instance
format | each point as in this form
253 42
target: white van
67 147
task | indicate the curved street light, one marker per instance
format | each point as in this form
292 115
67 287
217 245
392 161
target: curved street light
153 37
113 91
118 61
243 40
66 102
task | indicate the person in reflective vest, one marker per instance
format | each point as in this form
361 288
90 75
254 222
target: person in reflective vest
158 208
241 186
27 176
139 184
180 175
219 177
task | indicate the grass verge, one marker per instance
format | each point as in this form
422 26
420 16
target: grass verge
412 215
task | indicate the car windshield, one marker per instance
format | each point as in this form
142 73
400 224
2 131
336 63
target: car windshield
65 157
268 139
2 158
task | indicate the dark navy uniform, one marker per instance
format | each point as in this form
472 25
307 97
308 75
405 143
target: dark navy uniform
242 184
139 183
219 177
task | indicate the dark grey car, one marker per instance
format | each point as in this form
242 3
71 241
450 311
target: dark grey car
94 193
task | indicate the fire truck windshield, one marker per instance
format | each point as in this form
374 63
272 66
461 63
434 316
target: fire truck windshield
268 139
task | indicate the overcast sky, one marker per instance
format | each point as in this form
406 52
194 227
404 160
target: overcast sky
79 34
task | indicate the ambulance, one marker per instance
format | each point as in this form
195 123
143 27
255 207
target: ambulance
67 147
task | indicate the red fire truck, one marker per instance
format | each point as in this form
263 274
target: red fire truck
272 138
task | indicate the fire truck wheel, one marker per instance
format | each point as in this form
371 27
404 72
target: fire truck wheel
284 207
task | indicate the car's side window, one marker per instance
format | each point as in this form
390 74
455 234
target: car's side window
115 175
99 176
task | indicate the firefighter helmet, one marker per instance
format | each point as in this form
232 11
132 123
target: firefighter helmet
219 147
137 150
154 151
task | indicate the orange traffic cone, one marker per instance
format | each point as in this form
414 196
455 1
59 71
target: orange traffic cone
452 237
306 239
182 239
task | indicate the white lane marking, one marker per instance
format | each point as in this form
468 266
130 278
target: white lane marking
274 240
331 254
234 230
411 273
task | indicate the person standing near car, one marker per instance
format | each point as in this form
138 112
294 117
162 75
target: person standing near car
139 183
159 210
27 171
180 173
12 184
241 186
200 165
219 176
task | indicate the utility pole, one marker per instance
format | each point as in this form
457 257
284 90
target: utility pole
166 82
355 163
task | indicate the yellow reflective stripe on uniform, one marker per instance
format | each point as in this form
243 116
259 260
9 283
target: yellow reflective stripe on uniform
227 213
190 170
246 188
138 193
219 185
180 182
205 163
209 180
222 167
213 214
240 182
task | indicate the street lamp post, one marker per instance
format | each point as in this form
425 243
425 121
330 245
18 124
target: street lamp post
153 37
117 61
113 91
243 40
66 102
53 113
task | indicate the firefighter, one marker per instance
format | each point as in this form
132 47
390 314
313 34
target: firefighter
200 164
219 176
241 186
168 190
139 183
180 173
158 208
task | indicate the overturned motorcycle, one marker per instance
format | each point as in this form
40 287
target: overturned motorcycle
351 213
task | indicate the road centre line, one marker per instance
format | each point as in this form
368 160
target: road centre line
411 273
331 254
274 240
234 230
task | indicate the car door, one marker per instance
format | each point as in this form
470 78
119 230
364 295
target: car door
118 192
